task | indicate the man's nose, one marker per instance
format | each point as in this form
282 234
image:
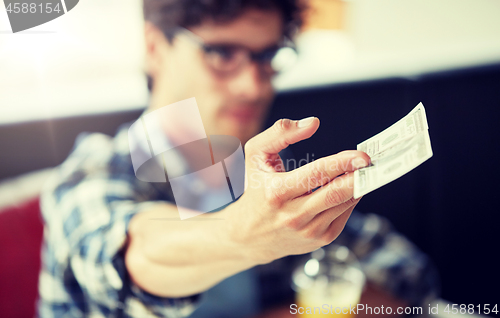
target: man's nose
249 83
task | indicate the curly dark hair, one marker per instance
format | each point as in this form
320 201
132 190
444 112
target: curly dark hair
169 14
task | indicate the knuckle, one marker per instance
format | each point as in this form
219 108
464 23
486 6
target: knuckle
334 196
309 210
310 233
276 197
351 201
292 222
315 177
282 125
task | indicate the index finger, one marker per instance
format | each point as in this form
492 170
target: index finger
322 171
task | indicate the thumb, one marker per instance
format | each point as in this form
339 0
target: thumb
283 133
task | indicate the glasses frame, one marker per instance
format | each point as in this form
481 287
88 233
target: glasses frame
260 58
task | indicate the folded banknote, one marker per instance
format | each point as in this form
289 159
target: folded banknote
394 152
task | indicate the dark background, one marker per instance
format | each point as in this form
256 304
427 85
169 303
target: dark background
447 206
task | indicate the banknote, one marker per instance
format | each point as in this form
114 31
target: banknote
394 152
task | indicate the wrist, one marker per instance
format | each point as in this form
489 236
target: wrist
245 247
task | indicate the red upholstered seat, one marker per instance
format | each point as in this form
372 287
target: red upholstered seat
21 232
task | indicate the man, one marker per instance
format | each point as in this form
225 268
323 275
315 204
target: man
112 244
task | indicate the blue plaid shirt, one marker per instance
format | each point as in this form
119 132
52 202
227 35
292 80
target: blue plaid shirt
92 196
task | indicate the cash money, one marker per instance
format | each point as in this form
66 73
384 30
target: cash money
394 152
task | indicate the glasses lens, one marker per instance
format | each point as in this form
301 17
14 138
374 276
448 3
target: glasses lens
224 58
284 59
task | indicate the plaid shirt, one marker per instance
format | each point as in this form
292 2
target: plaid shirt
88 203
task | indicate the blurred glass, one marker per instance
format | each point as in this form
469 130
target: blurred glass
285 58
330 281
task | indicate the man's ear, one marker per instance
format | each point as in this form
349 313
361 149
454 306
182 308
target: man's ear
157 48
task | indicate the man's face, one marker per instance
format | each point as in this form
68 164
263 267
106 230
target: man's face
230 104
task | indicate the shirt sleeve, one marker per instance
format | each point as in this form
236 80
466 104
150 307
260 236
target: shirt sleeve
389 260
87 210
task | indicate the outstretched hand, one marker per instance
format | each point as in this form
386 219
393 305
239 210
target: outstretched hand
279 214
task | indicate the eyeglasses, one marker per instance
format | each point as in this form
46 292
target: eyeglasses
229 59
